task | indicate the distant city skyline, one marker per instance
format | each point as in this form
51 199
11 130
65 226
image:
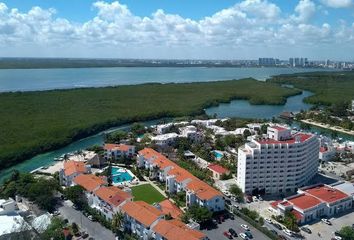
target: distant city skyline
224 29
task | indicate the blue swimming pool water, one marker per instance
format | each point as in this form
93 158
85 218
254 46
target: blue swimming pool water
118 177
217 154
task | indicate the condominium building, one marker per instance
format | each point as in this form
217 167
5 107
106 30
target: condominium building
117 151
313 202
178 179
71 170
280 162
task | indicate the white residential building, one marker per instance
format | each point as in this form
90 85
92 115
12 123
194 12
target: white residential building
165 140
191 133
326 154
109 200
117 151
178 179
281 162
71 170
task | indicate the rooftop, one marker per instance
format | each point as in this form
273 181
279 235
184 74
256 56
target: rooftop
89 181
176 230
219 169
302 137
142 212
71 167
117 147
113 195
167 207
326 193
304 201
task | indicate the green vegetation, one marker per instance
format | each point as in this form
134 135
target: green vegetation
347 233
76 195
41 121
39 190
147 193
289 221
237 192
329 87
197 213
54 230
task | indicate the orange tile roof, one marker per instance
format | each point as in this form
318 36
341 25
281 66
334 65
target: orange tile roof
89 181
202 189
167 207
304 201
176 230
219 169
327 193
120 147
142 212
113 195
71 167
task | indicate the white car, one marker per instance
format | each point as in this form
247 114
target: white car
90 218
243 236
337 237
288 232
326 221
268 220
244 226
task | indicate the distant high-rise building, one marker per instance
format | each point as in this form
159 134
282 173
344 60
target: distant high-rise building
328 62
267 61
291 62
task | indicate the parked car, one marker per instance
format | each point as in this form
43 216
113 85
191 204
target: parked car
278 226
75 207
249 234
337 237
228 235
244 226
232 232
306 229
91 218
84 235
268 220
326 221
243 236
288 232
56 213
232 217
274 232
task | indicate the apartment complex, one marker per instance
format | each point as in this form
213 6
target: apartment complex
71 170
117 151
280 162
178 179
314 202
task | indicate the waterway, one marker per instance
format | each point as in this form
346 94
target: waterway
63 78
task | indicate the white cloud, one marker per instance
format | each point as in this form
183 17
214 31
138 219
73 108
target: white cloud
249 27
338 3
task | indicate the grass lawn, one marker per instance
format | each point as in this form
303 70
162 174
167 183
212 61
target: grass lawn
147 193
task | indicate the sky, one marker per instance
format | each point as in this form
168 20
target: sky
178 29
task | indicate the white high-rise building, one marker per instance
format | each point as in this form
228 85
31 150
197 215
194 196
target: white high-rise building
278 163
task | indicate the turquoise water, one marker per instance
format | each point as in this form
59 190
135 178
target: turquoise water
44 79
118 177
217 154
47 159
243 109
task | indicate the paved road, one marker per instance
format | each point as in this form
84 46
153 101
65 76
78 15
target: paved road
217 233
94 229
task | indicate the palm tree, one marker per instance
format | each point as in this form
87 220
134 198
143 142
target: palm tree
117 223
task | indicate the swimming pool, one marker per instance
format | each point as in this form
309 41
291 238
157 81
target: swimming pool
120 175
218 154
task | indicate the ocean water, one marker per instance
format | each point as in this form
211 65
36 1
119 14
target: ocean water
62 78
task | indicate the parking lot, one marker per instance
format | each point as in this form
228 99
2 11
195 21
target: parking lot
217 233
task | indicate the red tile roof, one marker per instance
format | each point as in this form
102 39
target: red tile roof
89 182
297 214
113 195
117 147
176 230
323 149
279 128
302 137
219 169
71 167
275 204
167 207
304 201
142 212
327 193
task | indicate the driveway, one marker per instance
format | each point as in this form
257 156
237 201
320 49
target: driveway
94 229
217 233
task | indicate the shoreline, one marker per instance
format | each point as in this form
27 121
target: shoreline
328 127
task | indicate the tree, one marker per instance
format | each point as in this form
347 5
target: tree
198 214
75 228
137 128
290 221
347 233
117 222
76 195
237 192
115 137
246 133
54 231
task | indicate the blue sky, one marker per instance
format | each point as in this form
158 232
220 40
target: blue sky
217 29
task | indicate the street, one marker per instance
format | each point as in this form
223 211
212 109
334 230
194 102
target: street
217 233
94 229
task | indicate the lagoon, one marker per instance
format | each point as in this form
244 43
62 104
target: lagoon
64 78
